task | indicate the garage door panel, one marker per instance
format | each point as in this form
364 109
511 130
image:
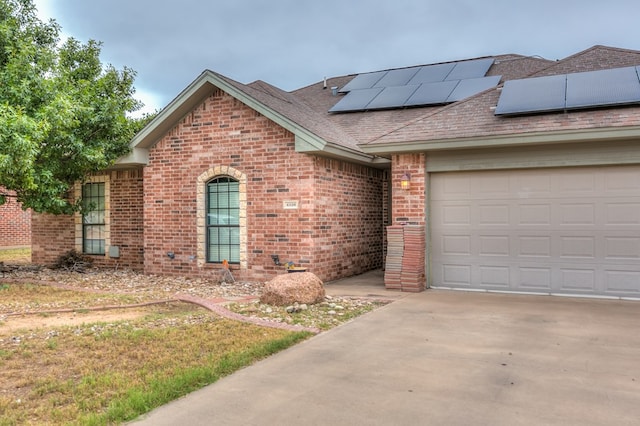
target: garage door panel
572 247
534 246
578 184
529 184
494 215
533 215
494 245
623 213
622 282
622 248
622 181
455 275
495 277
577 280
456 245
456 215
572 231
572 214
534 279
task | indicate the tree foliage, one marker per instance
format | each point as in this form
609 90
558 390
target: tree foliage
63 114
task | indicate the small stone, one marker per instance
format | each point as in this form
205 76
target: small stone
268 310
338 307
331 312
303 307
290 309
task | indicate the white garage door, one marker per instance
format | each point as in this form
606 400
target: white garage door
569 231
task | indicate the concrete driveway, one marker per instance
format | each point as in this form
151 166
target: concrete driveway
443 358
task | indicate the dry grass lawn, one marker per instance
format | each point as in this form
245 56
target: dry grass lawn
107 372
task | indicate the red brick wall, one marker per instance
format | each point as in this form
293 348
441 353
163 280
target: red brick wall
127 220
408 206
347 232
336 230
15 224
52 236
56 235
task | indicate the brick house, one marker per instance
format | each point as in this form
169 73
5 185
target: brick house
463 175
15 225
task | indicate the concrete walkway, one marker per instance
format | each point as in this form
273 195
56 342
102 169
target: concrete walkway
442 358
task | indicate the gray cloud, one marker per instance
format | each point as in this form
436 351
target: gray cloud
293 43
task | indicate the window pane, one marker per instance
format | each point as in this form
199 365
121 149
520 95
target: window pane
234 236
234 216
223 220
93 230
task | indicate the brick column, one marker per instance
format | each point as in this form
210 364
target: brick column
407 211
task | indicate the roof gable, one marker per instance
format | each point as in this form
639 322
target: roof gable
313 133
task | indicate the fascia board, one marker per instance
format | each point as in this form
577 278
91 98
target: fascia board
538 138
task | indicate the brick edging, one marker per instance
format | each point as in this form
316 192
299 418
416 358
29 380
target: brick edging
223 312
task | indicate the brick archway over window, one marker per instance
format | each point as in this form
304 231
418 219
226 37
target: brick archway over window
201 183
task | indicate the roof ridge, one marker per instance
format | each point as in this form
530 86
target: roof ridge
562 61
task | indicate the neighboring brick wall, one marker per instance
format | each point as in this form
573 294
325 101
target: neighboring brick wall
56 235
15 224
336 229
53 235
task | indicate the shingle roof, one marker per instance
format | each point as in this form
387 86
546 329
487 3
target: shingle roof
474 117
370 125
306 110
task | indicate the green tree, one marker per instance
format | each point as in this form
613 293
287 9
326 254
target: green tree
63 114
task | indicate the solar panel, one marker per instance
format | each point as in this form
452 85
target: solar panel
398 77
363 81
415 86
470 69
432 93
472 86
537 94
616 86
432 73
356 100
392 97
606 87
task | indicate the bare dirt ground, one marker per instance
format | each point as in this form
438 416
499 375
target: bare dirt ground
112 295
35 321
144 294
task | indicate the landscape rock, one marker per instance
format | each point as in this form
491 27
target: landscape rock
288 289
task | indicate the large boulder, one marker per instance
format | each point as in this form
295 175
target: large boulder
286 289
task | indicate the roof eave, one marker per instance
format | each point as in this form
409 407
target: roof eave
493 141
338 151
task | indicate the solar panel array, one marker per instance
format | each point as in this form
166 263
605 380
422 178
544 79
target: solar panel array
416 86
617 86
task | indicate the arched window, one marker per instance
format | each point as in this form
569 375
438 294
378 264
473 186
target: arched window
223 220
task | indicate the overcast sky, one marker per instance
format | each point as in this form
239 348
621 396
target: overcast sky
294 43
